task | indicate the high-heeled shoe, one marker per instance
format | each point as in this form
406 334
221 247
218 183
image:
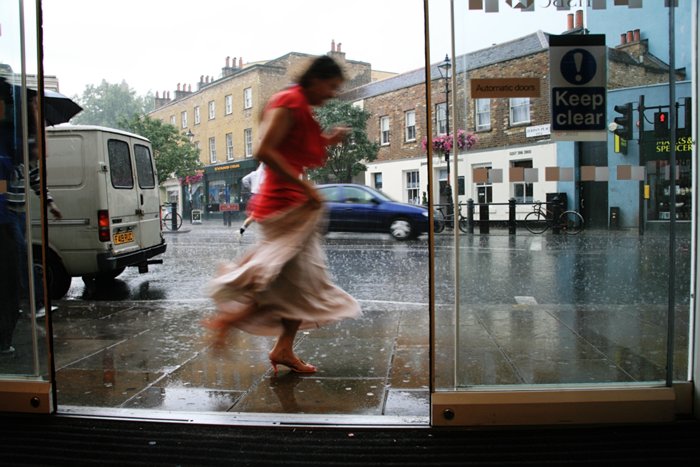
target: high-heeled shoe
299 366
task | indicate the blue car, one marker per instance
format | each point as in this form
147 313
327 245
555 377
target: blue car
359 208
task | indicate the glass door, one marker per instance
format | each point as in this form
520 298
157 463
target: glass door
25 375
570 297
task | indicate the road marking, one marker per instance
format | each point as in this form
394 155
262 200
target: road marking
525 300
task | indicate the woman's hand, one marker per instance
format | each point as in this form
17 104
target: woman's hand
315 199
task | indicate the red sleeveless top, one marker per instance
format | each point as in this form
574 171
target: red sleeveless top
303 147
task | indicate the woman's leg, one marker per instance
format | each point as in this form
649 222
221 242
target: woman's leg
283 351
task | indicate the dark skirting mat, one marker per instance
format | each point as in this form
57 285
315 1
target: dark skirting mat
59 440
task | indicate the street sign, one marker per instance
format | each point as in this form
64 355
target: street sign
578 77
504 87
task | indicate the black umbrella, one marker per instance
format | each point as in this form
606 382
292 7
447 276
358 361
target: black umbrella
57 107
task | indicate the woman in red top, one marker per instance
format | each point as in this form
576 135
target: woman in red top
282 285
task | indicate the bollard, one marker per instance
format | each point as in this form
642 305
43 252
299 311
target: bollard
511 216
483 218
470 216
173 217
556 212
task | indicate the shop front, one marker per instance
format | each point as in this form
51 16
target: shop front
655 156
224 198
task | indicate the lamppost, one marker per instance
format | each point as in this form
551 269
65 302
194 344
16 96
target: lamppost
187 190
444 69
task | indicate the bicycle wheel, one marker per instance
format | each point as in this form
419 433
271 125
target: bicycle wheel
168 221
463 225
536 222
571 222
439 222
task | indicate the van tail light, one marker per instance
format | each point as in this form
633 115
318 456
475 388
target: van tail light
103 225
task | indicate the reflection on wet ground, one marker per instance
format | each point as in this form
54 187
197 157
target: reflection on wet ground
532 310
159 360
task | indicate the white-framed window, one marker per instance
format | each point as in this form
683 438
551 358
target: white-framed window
377 180
410 120
229 146
212 149
384 126
183 119
482 114
522 191
197 116
519 110
228 104
248 141
483 190
212 110
248 98
173 120
412 187
441 118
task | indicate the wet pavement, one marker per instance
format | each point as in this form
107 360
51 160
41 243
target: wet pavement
534 309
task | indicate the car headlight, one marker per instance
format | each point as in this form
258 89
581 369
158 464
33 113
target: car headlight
425 213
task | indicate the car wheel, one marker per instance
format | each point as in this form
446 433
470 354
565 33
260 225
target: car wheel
401 229
57 279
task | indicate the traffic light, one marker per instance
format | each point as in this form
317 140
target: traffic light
624 121
660 124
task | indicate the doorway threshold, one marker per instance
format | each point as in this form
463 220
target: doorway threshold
246 419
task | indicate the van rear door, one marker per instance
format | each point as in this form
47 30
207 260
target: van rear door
149 196
132 194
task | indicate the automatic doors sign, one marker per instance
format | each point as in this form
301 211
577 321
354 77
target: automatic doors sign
578 74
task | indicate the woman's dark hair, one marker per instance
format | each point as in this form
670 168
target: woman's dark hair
323 67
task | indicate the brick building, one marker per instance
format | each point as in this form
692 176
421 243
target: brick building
221 118
514 145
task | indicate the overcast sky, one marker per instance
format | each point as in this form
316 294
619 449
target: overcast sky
155 44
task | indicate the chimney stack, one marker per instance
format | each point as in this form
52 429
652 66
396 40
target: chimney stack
579 19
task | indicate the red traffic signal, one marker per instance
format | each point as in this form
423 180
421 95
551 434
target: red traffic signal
660 124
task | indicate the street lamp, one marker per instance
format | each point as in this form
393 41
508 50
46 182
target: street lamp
444 69
189 135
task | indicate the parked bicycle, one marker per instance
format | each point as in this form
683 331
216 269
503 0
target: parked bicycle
444 218
540 219
167 219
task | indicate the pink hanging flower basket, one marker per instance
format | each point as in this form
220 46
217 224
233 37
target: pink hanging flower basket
443 143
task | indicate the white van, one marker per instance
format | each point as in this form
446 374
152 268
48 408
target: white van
105 184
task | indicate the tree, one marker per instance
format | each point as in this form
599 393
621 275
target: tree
173 152
347 159
109 104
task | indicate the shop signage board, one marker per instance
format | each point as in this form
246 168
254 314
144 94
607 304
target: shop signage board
578 78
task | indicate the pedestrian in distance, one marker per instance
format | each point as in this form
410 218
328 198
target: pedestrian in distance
252 182
281 285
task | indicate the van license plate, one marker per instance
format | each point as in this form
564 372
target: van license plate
123 237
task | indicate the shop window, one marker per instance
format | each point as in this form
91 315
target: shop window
413 187
522 191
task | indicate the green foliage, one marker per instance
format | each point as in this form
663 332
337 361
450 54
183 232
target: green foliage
109 104
347 159
173 152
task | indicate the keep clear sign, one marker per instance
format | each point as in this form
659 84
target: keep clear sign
578 75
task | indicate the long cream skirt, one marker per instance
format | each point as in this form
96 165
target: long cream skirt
283 276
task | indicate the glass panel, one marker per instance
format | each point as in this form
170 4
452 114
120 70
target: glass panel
144 167
23 322
517 308
120 164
